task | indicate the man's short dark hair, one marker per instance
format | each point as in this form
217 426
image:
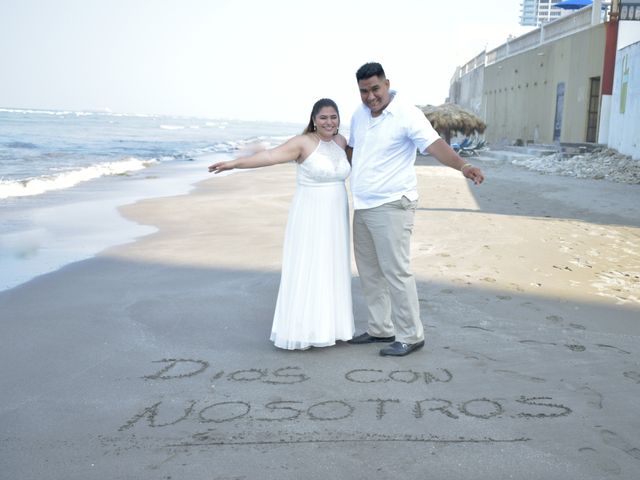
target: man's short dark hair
368 70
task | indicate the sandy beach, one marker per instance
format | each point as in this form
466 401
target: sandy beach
152 360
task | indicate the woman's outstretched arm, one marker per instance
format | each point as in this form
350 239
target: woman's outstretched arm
289 151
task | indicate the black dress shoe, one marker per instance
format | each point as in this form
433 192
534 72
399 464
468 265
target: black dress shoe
399 349
366 338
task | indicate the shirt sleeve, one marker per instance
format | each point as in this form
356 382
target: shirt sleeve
420 130
351 142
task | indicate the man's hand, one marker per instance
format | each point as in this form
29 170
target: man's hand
447 156
472 173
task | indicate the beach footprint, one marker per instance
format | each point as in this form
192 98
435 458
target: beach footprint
602 345
574 347
600 461
555 318
635 376
594 398
516 287
616 441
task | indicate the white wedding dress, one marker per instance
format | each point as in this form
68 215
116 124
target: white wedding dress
314 301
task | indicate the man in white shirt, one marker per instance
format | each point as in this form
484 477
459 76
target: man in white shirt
385 134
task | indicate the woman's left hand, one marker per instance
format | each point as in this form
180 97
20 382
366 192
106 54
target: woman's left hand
221 167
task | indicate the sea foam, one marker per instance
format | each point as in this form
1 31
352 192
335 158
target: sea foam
42 184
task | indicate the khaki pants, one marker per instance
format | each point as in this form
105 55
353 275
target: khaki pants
381 238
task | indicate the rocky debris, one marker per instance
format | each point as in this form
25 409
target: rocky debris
600 164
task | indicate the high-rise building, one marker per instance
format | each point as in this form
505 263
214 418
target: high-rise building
537 12
529 12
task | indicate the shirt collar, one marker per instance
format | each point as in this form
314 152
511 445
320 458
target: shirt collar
393 104
389 109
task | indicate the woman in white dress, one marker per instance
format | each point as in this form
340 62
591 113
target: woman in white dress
314 306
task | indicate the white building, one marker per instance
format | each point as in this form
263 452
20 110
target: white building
622 130
537 12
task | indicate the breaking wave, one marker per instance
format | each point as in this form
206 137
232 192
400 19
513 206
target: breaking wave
62 180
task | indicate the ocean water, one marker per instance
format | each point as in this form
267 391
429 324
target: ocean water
64 174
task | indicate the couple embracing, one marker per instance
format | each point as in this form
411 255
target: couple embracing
314 306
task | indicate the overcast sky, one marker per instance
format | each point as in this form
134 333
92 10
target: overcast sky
243 59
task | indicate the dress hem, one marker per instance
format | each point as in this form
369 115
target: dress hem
307 345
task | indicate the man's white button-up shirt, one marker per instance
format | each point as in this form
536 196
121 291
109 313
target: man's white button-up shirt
384 152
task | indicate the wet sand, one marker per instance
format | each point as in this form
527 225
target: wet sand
152 360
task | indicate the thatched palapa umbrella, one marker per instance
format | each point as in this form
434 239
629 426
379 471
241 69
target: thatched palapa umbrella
448 119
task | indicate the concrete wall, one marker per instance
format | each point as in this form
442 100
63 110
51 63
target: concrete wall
467 91
467 84
624 122
519 92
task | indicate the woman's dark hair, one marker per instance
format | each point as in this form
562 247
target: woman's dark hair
319 105
368 70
